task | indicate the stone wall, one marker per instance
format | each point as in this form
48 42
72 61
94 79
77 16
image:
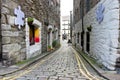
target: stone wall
13 39
104 36
42 11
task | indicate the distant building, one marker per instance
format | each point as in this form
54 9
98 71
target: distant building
96 30
65 27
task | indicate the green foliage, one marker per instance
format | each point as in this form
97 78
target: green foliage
30 19
89 28
26 61
49 46
54 43
58 45
90 59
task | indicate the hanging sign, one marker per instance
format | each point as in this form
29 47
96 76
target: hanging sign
99 13
19 20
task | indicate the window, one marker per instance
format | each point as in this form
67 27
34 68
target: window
87 5
37 33
33 35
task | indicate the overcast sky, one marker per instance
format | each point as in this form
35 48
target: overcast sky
66 7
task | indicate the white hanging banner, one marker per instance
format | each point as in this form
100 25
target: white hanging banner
19 20
99 13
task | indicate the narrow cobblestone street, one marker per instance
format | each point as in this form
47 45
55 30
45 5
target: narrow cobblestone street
60 40
60 65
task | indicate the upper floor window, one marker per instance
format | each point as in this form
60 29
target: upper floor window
87 5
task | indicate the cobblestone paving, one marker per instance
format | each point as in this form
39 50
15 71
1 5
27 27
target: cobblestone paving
62 66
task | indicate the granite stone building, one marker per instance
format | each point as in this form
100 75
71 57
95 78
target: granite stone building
25 27
96 30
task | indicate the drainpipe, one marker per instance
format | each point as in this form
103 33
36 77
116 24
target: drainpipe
83 25
0 35
71 25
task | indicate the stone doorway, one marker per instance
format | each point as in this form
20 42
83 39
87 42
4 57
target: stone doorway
50 37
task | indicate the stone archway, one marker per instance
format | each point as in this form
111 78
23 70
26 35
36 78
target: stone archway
50 36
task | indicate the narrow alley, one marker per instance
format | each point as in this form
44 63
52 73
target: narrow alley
60 40
60 65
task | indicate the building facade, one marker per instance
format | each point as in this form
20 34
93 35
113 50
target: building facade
65 27
24 27
96 30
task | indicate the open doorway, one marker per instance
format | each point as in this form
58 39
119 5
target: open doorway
88 41
82 40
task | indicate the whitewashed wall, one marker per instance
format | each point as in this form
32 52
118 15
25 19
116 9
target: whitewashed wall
104 36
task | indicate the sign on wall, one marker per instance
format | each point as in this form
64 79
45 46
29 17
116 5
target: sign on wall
99 13
19 20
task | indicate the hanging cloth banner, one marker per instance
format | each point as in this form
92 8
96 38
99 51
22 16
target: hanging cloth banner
19 20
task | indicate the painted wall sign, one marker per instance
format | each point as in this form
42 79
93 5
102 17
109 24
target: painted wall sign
99 13
19 20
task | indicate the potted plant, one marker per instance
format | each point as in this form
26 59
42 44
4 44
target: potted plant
30 20
49 48
89 28
54 43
